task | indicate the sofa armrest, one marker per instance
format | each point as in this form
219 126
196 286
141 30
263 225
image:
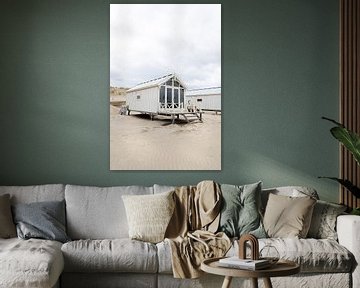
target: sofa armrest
348 230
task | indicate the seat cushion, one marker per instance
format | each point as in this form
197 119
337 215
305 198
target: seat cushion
313 255
30 263
98 212
117 255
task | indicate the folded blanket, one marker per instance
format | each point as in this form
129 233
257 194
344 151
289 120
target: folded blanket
191 231
190 251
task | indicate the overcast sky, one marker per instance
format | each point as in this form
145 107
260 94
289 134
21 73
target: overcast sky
152 40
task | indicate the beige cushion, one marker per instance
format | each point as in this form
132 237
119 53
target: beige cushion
149 215
287 217
293 191
7 226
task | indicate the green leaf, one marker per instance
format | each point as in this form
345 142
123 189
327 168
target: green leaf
348 138
347 184
333 121
355 211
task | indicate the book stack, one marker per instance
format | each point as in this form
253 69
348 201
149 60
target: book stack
248 264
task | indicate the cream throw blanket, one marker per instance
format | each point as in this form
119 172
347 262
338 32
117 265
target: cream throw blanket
191 231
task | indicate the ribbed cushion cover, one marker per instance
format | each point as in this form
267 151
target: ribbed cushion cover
149 215
116 255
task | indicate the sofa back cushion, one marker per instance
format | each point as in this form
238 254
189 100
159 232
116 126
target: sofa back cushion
98 212
36 193
288 217
291 191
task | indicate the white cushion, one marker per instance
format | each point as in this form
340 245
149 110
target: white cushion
98 213
149 215
30 263
117 255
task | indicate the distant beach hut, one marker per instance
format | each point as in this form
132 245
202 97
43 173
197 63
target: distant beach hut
158 96
205 99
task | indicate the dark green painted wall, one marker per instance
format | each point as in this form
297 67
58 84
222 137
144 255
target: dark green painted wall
280 75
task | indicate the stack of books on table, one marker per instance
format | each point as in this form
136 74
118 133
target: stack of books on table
248 264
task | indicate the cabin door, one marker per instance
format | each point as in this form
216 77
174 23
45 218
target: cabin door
179 98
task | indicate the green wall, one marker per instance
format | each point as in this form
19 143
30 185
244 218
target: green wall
280 75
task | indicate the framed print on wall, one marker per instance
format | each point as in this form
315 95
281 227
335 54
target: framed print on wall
165 87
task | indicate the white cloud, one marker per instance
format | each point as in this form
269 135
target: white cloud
152 40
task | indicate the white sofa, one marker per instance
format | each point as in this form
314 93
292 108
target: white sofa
101 254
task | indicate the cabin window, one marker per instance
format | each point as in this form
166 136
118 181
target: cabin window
176 96
169 95
181 95
199 100
169 83
138 97
162 94
176 83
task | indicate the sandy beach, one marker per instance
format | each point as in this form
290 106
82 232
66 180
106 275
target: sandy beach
137 143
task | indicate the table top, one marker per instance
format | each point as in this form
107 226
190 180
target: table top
281 268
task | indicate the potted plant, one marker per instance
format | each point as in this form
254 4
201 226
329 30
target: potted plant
351 141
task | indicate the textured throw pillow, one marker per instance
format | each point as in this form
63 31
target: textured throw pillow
288 217
149 215
323 222
240 210
7 226
44 220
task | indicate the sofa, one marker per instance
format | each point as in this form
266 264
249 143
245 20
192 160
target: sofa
101 254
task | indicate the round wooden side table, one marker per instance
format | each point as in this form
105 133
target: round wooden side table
281 268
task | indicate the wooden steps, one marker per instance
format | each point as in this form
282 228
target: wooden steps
192 116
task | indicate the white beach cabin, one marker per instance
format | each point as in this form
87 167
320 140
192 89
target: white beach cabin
165 95
206 99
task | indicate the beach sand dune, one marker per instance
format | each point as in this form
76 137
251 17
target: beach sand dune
137 143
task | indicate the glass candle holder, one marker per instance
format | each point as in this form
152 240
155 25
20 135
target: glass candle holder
270 253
